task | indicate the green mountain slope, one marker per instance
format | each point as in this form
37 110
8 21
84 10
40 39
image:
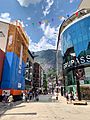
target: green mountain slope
47 59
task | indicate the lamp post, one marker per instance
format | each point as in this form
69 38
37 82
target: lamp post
57 75
78 86
77 78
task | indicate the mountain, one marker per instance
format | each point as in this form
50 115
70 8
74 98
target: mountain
47 59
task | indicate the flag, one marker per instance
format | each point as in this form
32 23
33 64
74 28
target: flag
40 22
33 24
67 15
76 14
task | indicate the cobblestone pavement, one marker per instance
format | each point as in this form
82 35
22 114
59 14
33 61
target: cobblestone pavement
46 111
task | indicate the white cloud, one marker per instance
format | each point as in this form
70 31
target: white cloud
47 9
71 1
22 23
43 26
49 32
26 25
61 18
5 16
41 45
50 35
25 3
29 18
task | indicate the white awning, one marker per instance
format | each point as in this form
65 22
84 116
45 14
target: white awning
84 4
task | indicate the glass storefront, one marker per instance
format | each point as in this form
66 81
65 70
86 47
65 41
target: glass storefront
75 43
77 36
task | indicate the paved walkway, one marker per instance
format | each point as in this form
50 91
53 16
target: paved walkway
58 110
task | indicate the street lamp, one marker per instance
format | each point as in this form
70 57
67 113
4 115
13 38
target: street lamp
77 78
57 75
78 86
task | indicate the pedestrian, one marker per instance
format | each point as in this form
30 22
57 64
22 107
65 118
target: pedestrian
71 97
23 96
33 94
4 97
10 100
26 96
67 97
75 96
37 95
30 95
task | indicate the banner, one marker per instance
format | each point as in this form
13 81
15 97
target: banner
20 62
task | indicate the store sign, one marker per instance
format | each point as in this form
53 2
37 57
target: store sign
19 85
6 91
77 61
81 82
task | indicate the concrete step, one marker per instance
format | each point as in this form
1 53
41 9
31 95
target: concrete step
82 102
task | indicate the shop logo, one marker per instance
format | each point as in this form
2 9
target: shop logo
77 61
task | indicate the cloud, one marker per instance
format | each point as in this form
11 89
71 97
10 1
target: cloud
28 18
61 18
71 1
26 3
47 9
48 40
5 17
41 45
26 25
43 26
49 32
22 23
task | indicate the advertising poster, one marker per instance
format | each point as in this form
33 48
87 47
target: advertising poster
80 75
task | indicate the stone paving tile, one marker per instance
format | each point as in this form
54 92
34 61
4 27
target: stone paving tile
47 111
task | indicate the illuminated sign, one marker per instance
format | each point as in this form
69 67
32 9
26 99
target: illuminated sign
77 61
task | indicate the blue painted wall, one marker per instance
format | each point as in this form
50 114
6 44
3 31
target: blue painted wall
11 76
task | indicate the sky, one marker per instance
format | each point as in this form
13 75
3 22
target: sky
41 19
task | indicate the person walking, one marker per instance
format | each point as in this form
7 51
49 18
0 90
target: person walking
71 97
30 95
4 98
26 97
75 96
10 100
67 97
37 95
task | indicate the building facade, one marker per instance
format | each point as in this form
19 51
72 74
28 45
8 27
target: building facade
15 46
74 35
29 71
37 76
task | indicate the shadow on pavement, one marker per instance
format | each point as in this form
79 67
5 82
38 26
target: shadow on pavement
20 114
18 106
4 108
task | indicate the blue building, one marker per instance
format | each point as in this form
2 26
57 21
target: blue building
74 36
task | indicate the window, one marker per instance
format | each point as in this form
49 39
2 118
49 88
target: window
2 34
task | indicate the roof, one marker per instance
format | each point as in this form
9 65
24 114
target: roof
70 20
84 4
4 21
83 9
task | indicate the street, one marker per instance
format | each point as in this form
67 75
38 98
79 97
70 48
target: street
58 110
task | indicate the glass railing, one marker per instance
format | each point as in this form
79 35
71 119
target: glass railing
72 18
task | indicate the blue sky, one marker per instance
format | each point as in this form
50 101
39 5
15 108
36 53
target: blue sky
40 18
